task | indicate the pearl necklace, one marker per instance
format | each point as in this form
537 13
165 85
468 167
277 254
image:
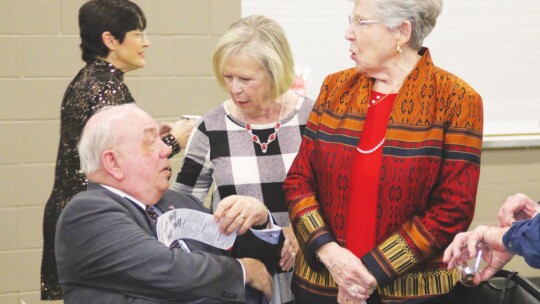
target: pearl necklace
371 150
271 138
379 99
372 103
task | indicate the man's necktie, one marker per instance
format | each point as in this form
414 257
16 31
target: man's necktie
153 215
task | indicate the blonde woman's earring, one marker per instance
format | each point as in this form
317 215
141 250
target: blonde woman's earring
398 48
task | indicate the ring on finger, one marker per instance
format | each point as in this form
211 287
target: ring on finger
354 288
242 216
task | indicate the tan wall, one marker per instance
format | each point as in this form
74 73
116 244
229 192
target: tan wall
503 173
39 55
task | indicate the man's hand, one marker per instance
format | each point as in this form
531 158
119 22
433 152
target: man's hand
516 208
238 212
491 236
257 276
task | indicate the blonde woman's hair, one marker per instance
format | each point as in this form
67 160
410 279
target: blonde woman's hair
263 39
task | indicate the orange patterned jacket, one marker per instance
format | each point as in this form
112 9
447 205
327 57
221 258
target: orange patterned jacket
429 179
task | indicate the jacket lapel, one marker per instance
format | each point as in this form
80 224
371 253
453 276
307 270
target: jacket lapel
138 214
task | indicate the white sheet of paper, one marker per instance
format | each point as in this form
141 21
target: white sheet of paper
191 224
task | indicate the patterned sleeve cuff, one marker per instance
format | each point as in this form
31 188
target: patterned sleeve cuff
312 259
370 261
390 259
170 141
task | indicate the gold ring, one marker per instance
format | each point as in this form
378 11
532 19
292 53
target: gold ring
243 217
349 302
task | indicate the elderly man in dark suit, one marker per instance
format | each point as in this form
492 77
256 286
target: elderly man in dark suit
106 247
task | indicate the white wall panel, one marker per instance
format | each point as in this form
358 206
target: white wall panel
494 45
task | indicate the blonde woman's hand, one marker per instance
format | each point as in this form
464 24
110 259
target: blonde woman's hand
289 250
239 213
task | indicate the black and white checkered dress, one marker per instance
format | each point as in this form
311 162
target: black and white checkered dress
221 150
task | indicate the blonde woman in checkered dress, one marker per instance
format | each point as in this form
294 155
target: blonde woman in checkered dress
246 145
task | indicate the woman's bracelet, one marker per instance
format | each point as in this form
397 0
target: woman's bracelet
171 141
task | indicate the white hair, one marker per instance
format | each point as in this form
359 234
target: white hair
422 14
98 137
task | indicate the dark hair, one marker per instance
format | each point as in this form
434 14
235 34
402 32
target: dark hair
115 16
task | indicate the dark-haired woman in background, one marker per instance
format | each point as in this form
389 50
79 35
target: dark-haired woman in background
112 43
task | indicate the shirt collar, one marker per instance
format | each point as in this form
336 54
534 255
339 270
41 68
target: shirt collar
123 194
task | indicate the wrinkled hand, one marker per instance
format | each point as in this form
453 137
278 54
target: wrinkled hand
289 250
355 281
491 236
347 297
516 208
257 276
181 130
239 213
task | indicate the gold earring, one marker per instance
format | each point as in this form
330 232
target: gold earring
398 48
114 54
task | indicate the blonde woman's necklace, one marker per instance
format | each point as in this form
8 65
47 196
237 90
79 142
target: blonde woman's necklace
271 138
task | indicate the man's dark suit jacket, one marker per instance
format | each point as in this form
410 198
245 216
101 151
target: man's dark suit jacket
106 252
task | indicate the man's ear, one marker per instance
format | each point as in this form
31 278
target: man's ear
109 40
111 164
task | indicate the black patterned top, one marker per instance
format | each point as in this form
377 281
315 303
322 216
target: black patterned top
96 85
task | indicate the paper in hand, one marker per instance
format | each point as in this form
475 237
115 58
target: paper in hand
191 224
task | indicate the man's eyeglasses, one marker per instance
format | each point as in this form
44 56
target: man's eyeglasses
354 20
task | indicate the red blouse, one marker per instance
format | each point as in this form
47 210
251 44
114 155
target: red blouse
365 176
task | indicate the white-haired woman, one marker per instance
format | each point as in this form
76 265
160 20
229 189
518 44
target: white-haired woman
388 169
